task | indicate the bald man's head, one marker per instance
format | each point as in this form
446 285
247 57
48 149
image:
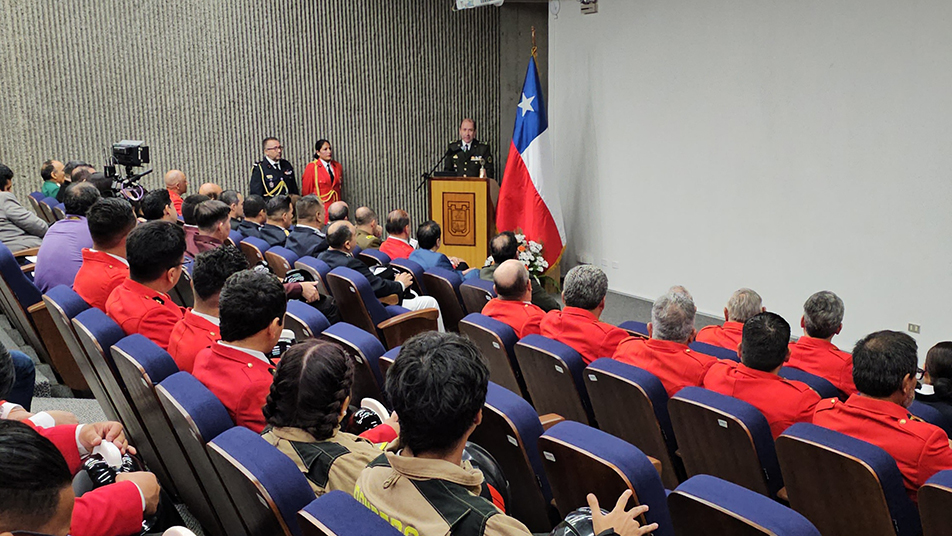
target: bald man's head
511 280
338 211
340 235
175 180
210 189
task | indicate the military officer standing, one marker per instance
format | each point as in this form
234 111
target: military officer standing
467 156
272 175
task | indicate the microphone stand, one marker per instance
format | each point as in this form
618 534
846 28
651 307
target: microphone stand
429 174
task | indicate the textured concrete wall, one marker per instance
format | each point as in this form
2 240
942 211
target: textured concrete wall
202 82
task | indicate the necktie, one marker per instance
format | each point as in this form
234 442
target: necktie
465 147
330 172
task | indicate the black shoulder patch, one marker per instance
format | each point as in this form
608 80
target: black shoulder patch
465 513
381 461
318 458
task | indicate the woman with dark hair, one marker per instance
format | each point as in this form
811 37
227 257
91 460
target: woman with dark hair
322 176
936 389
308 400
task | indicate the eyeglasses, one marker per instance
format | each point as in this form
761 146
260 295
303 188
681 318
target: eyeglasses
273 148
919 373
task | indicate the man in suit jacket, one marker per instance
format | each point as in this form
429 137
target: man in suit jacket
255 216
429 236
19 228
272 175
307 238
280 215
467 156
234 200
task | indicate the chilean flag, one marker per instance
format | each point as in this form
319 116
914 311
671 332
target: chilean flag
529 196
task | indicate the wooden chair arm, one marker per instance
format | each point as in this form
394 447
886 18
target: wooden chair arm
27 268
26 252
398 329
782 494
391 299
550 419
38 306
656 463
636 334
61 359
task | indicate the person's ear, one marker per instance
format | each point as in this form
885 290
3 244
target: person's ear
650 329
343 408
785 357
839 329
740 355
479 417
803 323
726 317
693 336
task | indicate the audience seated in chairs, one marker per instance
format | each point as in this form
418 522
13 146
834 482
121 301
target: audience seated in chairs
503 247
176 184
210 189
884 369
307 238
428 255
234 200
666 353
309 399
813 352
578 325
212 218
61 253
199 328
19 227
76 171
743 305
438 385
512 304
368 229
36 493
157 205
340 238
188 216
104 265
53 177
936 388
237 368
398 244
155 251
280 215
256 214
755 381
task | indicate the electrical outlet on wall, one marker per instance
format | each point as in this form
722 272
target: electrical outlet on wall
914 328
584 258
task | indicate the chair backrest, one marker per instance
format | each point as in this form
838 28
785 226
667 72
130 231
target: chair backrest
46 206
59 211
630 403
338 514
553 375
843 485
141 365
714 351
635 329
931 415
318 269
510 431
267 487
821 386
475 293
443 285
17 295
304 320
197 417
496 341
725 437
34 199
365 349
374 257
386 361
182 294
579 460
708 505
935 504
356 251
235 237
355 299
411 267
281 260
254 249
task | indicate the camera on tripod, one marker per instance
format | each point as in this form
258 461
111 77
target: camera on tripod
129 154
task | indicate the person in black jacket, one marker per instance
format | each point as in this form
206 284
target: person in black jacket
280 215
307 238
272 175
255 216
936 388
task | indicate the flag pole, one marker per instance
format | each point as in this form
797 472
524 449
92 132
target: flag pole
534 47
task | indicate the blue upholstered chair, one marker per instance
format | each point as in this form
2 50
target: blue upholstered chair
444 285
34 198
475 293
266 486
714 351
553 375
707 505
725 437
358 305
635 329
253 249
386 361
510 431
235 237
318 270
304 320
822 386
182 294
374 257
59 211
496 341
630 403
579 459
365 349
931 415
935 504
46 205
413 268
281 260
338 514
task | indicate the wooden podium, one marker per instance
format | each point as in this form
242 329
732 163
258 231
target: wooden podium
465 209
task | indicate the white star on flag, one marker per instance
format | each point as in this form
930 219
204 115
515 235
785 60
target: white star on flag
526 104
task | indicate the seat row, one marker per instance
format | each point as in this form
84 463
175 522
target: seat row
47 208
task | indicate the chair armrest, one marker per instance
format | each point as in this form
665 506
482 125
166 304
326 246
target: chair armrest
550 419
399 328
390 299
61 359
26 252
28 268
782 494
656 463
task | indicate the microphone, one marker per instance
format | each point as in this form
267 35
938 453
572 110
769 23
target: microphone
429 174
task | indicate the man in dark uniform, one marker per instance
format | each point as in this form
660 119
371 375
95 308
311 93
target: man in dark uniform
272 175
466 156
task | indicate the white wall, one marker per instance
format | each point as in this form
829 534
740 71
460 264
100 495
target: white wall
786 146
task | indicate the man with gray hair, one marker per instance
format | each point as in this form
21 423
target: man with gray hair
743 305
813 352
666 353
578 324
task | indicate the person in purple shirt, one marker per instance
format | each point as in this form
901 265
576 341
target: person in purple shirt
429 235
61 253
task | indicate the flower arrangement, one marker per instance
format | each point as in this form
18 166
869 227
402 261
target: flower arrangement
530 253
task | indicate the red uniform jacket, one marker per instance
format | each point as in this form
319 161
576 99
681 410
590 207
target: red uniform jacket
581 330
176 202
190 336
821 358
98 276
240 380
726 336
523 317
321 184
139 309
396 249
782 402
676 365
111 510
920 449
191 232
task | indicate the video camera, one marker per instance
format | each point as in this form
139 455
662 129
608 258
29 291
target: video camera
129 154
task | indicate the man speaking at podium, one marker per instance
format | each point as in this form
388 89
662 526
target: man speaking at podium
466 157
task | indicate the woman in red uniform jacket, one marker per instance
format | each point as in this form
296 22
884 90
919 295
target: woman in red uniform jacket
322 176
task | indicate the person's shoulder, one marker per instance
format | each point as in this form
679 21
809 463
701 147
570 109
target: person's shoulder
826 405
455 145
503 525
284 163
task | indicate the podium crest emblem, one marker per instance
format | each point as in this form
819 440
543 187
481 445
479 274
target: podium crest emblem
459 218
